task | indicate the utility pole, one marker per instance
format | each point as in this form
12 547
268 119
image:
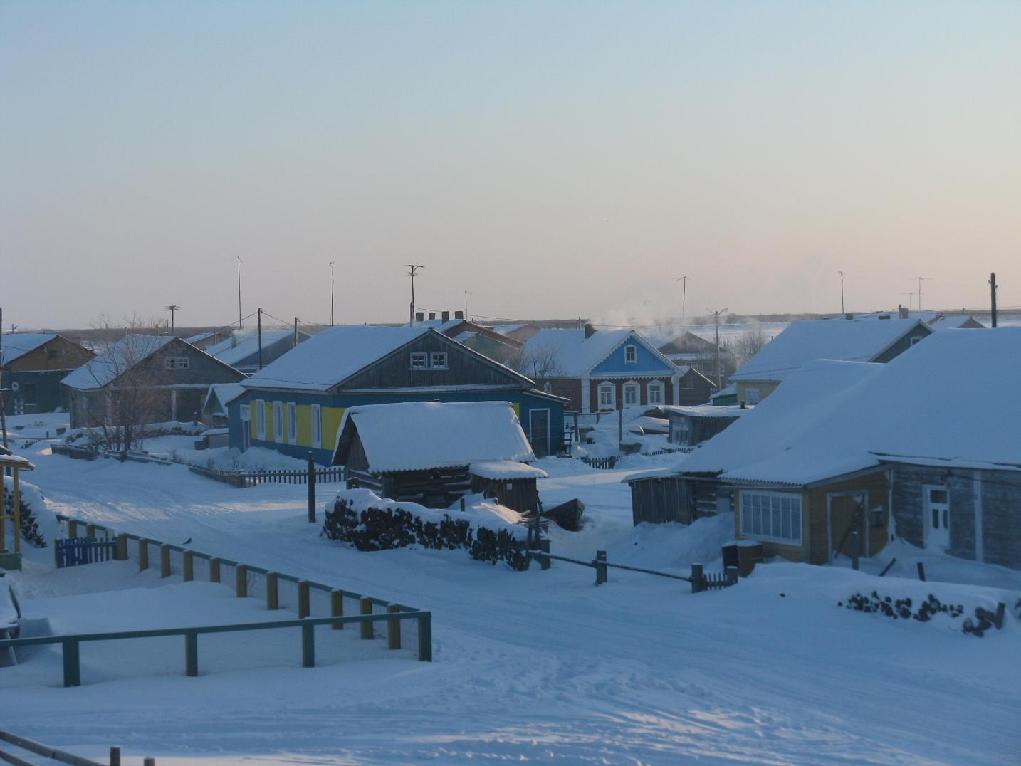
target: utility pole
920 279
716 318
332 275
992 296
3 406
841 273
173 308
683 279
295 343
240 326
259 313
467 295
413 270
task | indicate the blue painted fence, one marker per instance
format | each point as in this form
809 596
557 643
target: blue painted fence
80 550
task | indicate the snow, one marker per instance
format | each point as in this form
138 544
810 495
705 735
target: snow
573 354
708 410
506 469
16 345
477 511
112 363
241 345
225 393
41 425
857 340
532 667
409 436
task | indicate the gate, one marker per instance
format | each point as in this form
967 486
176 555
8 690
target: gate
80 550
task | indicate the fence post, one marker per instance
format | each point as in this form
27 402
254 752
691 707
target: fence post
121 548
72 528
393 629
56 552
308 646
600 565
304 600
240 581
72 664
164 560
188 566
214 570
921 571
115 756
337 607
855 549
365 607
425 637
272 591
697 581
149 762
143 555
191 654
311 489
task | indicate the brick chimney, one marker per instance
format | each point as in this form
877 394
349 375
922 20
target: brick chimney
902 311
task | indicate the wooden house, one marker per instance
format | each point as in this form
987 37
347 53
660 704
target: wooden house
434 453
854 339
691 350
690 426
31 368
599 371
485 340
144 379
295 405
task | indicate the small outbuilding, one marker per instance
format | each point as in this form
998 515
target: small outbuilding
509 482
690 426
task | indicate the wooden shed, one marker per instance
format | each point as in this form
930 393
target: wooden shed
509 482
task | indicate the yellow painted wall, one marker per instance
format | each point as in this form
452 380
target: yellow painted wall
304 412
270 434
331 417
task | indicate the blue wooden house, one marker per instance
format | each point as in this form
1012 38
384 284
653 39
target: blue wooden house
295 405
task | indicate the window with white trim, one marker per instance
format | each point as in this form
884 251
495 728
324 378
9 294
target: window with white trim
278 421
632 394
607 396
317 426
654 392
438 360
292 423
419 360
260 419
176 363
246 412
772 516
630 354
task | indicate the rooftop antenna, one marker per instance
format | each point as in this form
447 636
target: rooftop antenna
920 280
332 275
911 294
841 273
172 308
413 270
240 325
683 279
467 295
716 319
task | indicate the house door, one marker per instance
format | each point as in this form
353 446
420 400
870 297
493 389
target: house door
538 431
937 518
847 515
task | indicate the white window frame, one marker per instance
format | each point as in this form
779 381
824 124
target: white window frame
317 426
630 350
657 387
419 356
612 403
631 386
278 421
437 360
751 510
292 423
176 363
260 419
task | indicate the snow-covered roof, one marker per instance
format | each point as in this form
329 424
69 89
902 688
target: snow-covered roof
506 469
409 436
573 354
855 340
115 361
708 410
831 418
951 321
18 344
244 344
225 393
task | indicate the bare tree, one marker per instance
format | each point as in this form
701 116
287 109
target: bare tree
747 344
541 363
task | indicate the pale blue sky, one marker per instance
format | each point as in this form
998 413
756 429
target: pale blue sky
557 159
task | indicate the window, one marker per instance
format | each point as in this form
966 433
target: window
607 396
630 354
260 419
751 396
631 393
419 360
176 363
292 423
654 392
278 417
771 516
317 426
438 360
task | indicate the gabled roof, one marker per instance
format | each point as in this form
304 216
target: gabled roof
224 393
410 436
832 418
242 345
576 355
115 361
855 340
16 345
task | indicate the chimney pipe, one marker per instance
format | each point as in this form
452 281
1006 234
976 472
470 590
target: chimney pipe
589 330
902 312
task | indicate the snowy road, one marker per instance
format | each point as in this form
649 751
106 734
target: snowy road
542 667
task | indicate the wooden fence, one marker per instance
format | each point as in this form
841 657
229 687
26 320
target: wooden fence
82 550
328 474
605 463
700 580
51 753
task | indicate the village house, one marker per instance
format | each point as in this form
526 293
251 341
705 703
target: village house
31 368
604 370
846 456
242 352
690 426
485 340
434 453
295 405
144 379
862 339
691 350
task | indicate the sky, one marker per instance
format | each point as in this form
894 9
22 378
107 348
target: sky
555 159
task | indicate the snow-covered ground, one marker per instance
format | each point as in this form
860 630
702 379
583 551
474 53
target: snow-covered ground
535 667
22 429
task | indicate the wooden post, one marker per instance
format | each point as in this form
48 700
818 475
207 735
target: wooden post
120 551
115 756
143 555
214 570
90 531
365 607
240 581
855 549
191 654
337 607
311 489
393 629
3 511
696 578
600 565
72 663
308 646
921 571
56 552
72 528
149 762
17 509
304 600
188 566
272 591
425 637
164 560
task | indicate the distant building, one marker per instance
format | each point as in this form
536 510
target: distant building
33 364
690 426
485 340
691 350
241 349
